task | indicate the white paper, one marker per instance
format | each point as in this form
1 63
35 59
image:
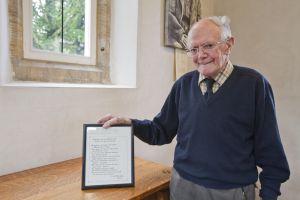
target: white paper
108 156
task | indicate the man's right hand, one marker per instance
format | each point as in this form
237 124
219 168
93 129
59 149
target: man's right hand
110 120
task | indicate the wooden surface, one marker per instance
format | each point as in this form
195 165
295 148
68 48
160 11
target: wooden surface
62 181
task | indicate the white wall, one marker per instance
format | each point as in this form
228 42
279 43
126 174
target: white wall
4 56
267 38
44 125
124 42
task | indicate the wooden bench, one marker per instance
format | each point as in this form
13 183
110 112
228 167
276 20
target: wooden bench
62 181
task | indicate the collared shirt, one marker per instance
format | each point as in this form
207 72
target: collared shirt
219 79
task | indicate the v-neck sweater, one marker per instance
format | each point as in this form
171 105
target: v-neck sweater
220 142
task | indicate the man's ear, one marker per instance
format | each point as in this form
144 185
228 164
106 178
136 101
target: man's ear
230 43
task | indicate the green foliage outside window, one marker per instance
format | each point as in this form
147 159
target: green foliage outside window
59 26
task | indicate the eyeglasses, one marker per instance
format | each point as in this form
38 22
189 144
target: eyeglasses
205 48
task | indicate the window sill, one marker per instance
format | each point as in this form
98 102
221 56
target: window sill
65 85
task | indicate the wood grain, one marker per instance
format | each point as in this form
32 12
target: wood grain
62 181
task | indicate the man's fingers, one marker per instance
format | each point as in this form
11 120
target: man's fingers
116 121
105 119
110 120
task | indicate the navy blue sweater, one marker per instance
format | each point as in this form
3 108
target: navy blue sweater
221 142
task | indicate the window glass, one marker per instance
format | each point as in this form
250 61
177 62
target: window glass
59 26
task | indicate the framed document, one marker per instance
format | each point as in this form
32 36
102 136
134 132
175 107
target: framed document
108 156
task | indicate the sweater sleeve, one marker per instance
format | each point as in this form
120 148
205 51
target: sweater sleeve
268 149
163 128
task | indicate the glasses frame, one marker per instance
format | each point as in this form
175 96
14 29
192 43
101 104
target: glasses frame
205 48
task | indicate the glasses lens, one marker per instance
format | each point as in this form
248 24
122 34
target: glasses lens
192 52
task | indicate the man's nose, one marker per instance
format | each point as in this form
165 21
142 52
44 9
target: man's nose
201 53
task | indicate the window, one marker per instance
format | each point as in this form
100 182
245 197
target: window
60 40
60 30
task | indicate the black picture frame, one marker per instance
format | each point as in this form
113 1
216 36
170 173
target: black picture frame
108 157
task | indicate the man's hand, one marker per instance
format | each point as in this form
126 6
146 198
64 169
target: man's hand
110 120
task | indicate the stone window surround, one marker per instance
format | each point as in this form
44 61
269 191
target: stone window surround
55 72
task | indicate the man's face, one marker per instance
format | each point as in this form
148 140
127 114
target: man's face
213 53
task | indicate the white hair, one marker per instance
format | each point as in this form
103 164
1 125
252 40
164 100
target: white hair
223 22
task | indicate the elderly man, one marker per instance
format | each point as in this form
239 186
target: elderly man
224 119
